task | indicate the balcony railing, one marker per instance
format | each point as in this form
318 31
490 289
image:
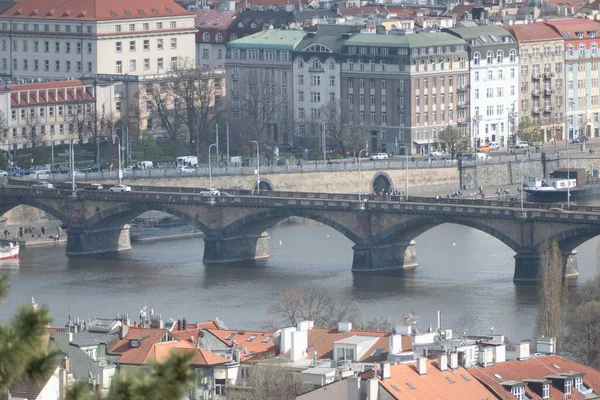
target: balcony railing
313 69
548 75
462 87
536 110
536 92
547 109
535 76
548 92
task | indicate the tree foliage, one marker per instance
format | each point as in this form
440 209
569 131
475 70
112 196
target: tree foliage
312 303
23 344
453 141
270 383
552 292
529 132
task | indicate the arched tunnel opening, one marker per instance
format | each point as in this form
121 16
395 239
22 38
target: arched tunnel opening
264 185
381 183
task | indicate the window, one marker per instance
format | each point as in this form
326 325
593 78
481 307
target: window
568 386
500 57
518 392
78 48
119 67
490 57
132 27
300 79
117 28
57 65
146 26
173 43
206 37
159 44
315 80
132 65
57 47
89 66
173 24
79 66
119 46
315 97
89 48
159 25
301 112
173 62
545 391
205 54
300 95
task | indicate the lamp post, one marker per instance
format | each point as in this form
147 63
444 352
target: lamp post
522 192
71 160
568 184
475 120
52 146
360 174
210 167
119 173
257 167
406 162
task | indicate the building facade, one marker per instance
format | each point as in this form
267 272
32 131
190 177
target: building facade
259 83
541 83
581 74
404 89
58 39
492 90
212 37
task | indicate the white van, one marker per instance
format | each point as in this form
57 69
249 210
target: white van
191 161
146 164
483 157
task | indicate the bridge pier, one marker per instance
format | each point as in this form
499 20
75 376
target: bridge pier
235 249
570 264
384 257
93 241
527 263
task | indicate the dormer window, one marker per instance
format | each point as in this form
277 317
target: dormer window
546 391
579 35
345 354
568 386
251 338
253 25
240 24
134 344
592 34
518 392
579 384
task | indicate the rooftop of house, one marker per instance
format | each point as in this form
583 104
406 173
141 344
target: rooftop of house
275 18
307 15
98 10
253 343
214 19
499 376
330 36
405 382
569 28
160 352
483 35
145 337
28 387
576 5
276 39
538 31
415 40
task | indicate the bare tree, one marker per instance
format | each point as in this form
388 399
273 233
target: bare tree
32 133
164 104
583 337
270 382
313 303
552 293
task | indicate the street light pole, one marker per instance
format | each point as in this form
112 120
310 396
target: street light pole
360 174
71 159
257 167
324 144
568 184
52 146
210 167
119 159
406 162
522 191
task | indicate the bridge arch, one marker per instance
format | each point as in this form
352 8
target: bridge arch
265 184
409 229
381 181
120 215
569 240
259 222
40 205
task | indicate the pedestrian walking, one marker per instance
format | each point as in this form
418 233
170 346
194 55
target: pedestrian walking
43 231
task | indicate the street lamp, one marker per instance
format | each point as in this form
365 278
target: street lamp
406 162
475 120
257 167
210 167
119 172
72 159
360 174
52 146
568 183
522 191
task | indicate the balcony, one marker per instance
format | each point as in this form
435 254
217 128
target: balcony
462 121
536 76
547 109
548 92
400 91
462 104
536 110
548 75
462 87
316 70
536 92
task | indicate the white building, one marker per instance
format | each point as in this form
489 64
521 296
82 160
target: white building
54 39
493 81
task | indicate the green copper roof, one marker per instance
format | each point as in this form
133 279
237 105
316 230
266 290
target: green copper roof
410 40
275 39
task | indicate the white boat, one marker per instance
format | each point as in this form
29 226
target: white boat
9 252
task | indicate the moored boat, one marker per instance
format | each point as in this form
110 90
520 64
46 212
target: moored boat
9 252
563 182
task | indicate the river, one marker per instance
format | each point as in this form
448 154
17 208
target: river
465 273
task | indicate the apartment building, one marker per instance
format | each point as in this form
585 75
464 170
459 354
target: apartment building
541 83
39 113
316 77
492 90
581 75
55 39
404 89
212 37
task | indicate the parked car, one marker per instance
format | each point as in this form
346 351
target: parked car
3 173
42 173
42 185
62 170
94 186
495 146
120 188
436 153
522 145
78 174
483 157
466 157
379 156
580 139
17 172
187 170
210 192
92 168
285 147
65 186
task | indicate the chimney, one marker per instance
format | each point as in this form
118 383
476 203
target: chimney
305 325
28 101
66 363
439 321
454 360
372 389
184 323
47 99
123 331
285 343
299 345
443 362
395 344
178 324
18 98
65 92
37 96
56 94
422 366
523 350
385 370
344 326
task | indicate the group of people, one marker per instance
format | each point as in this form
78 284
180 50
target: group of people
503 192
33 231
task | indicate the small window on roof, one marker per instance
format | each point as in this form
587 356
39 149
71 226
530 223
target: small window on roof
395 388
114 14
154 11
498 376
466 378
556 366
410 385
267 339
169 11
377 352
127 13
449 379
483 39
230 336
251 338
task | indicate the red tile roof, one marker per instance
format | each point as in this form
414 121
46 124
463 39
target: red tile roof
460 10
435 384
214 19
534 368
160 352
147 337
193 330
50 93
573 25
575 4
259 346
95 10
533 32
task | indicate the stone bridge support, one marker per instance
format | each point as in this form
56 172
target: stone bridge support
220 250
85 241
527 264
371 258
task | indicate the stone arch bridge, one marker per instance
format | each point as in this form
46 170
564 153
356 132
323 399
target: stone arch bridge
382 231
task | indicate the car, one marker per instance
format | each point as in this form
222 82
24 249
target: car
285 147
436 153
466 157
17 172
94 186
522 145
495 146
67 185
62 170
558 210
120 188
450 161
3 173
210 192
42 185
93 168
379 156
483 157
128 171
187 170
78 174
42 173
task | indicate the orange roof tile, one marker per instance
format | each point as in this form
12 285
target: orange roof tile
573 25
136 355
260 345
435 384
193 330
160 352
95 10
533 32
535 368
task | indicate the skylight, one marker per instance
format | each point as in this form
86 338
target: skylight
483 39
498 376
230 336
410 385
494 38
377 352
466 378
395 388
556 366
267 339
450 379
251 338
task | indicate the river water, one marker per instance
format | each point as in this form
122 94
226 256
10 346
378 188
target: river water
463 272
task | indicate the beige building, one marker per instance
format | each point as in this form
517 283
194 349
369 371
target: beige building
541 84
55 39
